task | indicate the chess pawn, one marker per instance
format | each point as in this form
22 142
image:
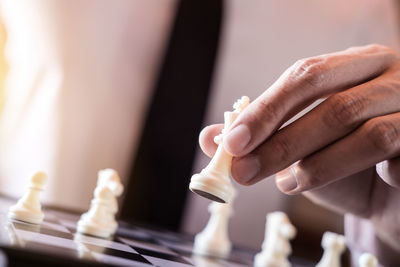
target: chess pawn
276 247
367 260
28 208
214 182
111 205
334 245
99 220
213 240
110 178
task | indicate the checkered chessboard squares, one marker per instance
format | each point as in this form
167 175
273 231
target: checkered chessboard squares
132 246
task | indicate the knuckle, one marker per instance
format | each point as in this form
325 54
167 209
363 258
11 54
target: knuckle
309 70
377 47
383 50
383 135
284 149
265 112
344 110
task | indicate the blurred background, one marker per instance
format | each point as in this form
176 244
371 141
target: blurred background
87 85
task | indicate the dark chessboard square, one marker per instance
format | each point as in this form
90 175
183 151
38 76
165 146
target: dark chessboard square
165 256
117 253
165 235
108 259
154 246
134 233
166 263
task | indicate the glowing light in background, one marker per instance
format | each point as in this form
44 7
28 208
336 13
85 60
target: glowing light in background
3 64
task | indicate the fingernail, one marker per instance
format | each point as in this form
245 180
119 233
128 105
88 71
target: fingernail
286 180
237 139
380 169
245 169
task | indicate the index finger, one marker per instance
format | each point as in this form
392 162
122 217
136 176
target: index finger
300 85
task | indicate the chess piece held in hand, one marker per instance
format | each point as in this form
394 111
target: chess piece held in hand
213 182
214 241
28 208
276 246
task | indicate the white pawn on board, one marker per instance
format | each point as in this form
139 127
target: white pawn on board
213 182
214 240
334 245
100 219
110 179
367 260
28 208
276 246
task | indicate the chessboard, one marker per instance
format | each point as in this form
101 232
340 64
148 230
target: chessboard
56 243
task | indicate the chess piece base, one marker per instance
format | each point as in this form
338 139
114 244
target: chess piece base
209 247
21 213
85 227
208 185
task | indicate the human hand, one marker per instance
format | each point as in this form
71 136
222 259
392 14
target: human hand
330 152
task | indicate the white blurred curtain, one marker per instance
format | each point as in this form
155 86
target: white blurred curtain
80 75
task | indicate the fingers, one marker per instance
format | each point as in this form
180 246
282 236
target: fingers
300 85
347 195
374 141
338 116
389 171
206 138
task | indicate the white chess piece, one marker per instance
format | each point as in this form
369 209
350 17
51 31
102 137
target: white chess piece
334 245
276 246
28 208
368 260
213 182
99 220
213 240
110 178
